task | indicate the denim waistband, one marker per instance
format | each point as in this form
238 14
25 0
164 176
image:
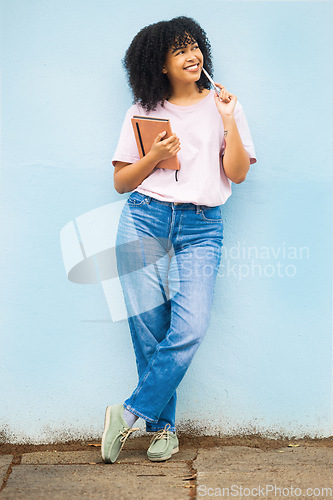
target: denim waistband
173 204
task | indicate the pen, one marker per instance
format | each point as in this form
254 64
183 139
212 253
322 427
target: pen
211 81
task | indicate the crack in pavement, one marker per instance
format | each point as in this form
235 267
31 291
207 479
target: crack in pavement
16 460
193 481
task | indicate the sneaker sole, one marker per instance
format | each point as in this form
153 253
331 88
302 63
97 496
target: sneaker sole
106 427
159 459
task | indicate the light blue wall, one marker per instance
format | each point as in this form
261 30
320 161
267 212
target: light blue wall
266 362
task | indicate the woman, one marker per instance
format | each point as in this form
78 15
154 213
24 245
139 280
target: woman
170 232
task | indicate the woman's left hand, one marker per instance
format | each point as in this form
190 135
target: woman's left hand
225 102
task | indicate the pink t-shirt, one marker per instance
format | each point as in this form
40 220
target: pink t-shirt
201 178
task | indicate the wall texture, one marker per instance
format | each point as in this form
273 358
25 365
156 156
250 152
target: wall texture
266 362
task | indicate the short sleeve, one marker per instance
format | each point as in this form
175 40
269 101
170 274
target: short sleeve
244 132
127 150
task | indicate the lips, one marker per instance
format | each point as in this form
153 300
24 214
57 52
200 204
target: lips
192 67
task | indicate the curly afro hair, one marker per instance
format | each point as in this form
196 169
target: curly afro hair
145 57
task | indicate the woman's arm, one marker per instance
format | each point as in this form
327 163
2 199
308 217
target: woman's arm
128 176
236 161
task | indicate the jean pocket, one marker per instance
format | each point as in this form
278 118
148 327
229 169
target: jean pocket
211 214
136 199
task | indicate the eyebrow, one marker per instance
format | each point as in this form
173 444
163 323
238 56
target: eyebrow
178 48
183 47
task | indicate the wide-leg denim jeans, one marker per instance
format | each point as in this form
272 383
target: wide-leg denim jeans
168 255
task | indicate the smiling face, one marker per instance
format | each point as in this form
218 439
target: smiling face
183 63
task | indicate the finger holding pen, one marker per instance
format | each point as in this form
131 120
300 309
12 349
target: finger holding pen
223 94
225 101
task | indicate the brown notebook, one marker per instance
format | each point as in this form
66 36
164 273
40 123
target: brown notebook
146 129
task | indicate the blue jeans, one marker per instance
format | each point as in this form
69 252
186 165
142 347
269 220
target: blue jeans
168 255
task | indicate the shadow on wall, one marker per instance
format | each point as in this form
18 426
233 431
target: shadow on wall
88 246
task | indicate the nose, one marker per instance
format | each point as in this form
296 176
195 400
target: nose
191 57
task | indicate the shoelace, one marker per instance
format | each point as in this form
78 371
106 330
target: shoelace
163 433
125 433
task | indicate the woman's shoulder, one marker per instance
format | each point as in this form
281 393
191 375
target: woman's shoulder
138 109
135 109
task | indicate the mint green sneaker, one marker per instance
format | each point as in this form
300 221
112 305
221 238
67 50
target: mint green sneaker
116 431
163 445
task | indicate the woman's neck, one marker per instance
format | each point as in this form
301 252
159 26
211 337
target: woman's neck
186 95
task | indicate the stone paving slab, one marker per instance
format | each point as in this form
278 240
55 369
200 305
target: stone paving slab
182 456
236 455
100 482
94 456
243 472
5 461
286 473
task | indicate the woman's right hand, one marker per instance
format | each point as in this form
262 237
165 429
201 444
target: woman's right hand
163 149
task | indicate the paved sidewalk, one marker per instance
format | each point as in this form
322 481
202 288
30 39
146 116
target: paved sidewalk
301 471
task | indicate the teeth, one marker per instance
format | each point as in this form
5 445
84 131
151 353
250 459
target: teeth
193 66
